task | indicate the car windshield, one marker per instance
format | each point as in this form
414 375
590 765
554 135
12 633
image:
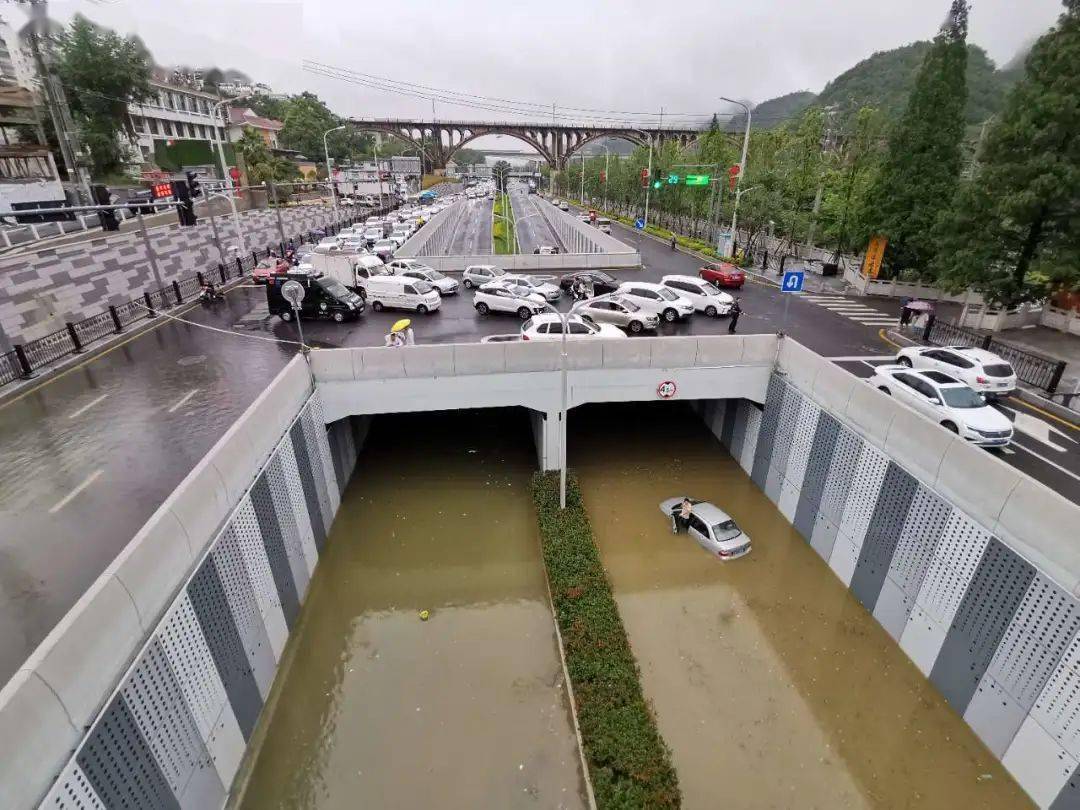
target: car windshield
334 288
667 294
726 530
629 305
536 282
962 397
588 323
423 287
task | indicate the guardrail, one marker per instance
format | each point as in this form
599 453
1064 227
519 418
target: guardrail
1031 367
27 358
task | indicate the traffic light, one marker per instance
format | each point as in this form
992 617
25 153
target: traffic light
657 184
186 210
644 178
193 184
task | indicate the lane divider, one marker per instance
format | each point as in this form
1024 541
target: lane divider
60 504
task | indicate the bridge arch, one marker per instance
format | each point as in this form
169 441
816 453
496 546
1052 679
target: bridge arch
472 135
636 138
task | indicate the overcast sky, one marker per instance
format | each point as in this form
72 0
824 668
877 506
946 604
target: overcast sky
625 55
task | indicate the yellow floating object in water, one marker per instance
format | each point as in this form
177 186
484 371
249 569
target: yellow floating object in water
424 615
399 325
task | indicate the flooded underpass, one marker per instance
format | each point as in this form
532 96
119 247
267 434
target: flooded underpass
376 707
772 685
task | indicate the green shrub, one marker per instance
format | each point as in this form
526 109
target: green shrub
629 762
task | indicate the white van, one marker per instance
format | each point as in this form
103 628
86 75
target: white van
399 292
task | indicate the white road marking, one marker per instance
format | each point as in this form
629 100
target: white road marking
1008 451
68 498
1039 430
86 407
183 399
861 358
1069 473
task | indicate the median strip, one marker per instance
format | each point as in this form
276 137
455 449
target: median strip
629 762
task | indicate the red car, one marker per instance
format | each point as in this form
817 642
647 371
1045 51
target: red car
268 268
723 274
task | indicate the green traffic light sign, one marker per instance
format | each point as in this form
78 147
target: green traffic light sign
698 179
673 179
656 184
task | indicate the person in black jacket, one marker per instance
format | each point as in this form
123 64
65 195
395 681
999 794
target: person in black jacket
736 311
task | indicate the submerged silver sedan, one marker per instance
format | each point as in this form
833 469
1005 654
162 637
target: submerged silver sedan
710 526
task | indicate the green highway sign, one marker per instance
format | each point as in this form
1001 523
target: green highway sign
673 179
697 179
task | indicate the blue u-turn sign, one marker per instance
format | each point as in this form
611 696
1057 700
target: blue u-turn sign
793 281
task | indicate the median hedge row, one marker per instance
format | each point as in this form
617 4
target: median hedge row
629 762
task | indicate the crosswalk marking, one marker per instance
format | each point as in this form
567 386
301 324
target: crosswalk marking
853 310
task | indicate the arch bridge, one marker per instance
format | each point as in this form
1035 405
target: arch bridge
556 143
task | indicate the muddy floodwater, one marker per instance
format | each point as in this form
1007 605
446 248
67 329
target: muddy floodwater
772 685
375 708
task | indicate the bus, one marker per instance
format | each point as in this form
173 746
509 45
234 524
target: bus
29 180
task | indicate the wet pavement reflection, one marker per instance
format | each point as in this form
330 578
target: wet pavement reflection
374 707
772 685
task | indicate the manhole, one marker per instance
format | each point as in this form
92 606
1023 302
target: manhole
191 360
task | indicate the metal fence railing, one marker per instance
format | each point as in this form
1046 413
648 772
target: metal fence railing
27 358
1031 367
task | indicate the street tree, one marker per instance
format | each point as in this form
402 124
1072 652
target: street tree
1012 233
921 169
501 172
102 73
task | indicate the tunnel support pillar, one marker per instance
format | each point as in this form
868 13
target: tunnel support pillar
545 428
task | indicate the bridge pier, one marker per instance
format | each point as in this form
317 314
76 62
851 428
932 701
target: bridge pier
546 435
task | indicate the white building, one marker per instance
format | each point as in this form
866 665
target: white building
176 114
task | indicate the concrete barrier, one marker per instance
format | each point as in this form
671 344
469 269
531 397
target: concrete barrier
577 236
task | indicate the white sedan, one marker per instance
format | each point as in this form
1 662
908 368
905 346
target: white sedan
500 298
548 326
705 296
478 274
947 401
983 371
538 285
445 286
657 298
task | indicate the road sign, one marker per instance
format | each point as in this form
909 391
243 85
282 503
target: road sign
666 389
293 292
639 223
793 281
698 179
875 252
673 179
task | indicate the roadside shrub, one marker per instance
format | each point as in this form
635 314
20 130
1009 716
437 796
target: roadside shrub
629 762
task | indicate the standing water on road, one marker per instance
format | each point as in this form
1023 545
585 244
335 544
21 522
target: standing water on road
375 707
772 685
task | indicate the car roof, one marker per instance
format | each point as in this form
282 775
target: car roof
480 267
940 377
710 512
979 355
678 277
648 285
546 317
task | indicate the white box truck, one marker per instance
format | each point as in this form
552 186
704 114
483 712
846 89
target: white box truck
351 269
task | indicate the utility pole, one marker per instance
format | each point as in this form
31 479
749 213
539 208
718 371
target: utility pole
56 101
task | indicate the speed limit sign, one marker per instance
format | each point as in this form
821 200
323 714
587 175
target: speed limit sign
666 389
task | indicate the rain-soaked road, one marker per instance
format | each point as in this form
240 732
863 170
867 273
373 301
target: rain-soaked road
772 685
473 234
88 457
533 230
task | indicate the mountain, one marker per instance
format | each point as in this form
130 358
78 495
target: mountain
885 79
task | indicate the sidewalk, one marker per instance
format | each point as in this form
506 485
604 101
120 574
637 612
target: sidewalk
1052 343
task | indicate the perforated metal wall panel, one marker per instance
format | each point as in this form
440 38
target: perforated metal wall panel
863 495
1038 763
882 535
321 465
994 715
926 520
157 704
823 537
738 428
998 586
261 525
773 479
817 472
244 608
844 460
762 458
296 529
307 480
1046 622
922 639
72 791
211 608
753 431
785 429
957 555
802 441
120 766
245 525
1057 708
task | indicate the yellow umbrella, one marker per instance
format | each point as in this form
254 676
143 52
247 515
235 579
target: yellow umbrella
402 324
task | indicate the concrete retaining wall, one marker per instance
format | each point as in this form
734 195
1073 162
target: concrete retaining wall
146 692
40 291
533 263
435 238
970 565
577 236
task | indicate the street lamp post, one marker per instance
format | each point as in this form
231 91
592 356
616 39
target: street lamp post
607 156
565 318
582 197
742 171
648 185
329 177
220 109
